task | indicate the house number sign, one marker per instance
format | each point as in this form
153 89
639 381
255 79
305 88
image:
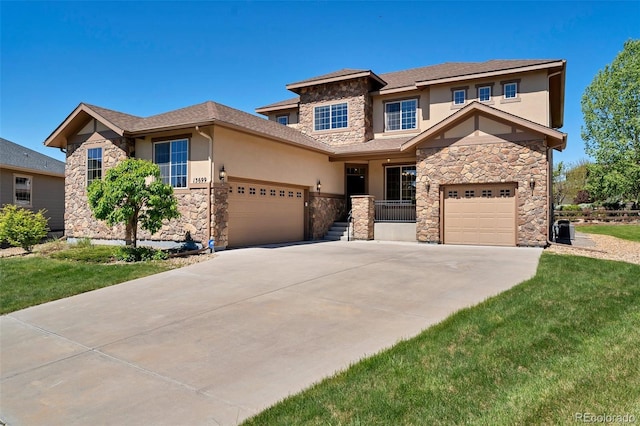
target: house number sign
200 180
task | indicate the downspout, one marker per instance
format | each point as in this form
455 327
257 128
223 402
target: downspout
550 209
210 182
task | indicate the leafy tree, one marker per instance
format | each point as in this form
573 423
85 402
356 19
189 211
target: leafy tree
559 180
132 193
576 178
582 197
21 227
611 130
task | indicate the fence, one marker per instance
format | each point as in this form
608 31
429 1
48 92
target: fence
588 215
395 211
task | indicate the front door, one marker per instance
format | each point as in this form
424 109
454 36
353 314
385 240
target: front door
356 181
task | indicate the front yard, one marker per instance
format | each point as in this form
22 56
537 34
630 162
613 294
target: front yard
562 345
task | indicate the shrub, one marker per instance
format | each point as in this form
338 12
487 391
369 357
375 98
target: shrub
84 243
137 254
21 227
582 197
571 208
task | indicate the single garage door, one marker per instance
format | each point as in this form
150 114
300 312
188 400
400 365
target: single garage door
483 214
262 213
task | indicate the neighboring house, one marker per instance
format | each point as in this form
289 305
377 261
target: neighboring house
457 153
32 180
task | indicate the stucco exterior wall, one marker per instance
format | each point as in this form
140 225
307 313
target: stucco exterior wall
435 102
251 157
493 161
360 110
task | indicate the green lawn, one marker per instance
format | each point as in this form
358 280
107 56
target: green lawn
565 342
626 232
32 280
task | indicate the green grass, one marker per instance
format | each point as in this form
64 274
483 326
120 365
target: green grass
32 280
565 342
626 232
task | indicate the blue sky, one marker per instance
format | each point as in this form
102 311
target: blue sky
145 58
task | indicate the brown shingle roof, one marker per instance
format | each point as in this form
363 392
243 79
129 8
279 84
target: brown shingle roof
207 113
277 105
340 73
408 78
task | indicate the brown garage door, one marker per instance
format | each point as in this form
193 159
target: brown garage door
483 214
262 213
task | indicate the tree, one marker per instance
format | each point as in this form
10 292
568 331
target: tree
21 227
132 193
559 181
611 130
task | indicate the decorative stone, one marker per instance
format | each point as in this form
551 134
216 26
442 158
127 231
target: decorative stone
363 216
324 209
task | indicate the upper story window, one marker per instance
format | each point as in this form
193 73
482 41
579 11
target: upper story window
400 115
459 96
484 93
171 157
330 117
283 119
22 190
94 165
511 90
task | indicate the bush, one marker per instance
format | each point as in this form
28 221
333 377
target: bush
21 227
582 197
571 208
84 243
137 254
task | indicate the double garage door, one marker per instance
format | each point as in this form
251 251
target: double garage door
483 214
264 213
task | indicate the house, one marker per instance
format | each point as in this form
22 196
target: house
456 153
33 181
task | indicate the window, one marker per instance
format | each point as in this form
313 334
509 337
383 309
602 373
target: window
283 119
484 93
400 115
469 193
171 157
452 194
459 97
263 191
505 193
252 191
22 190
330 117
486 193
400 183
94 165
510 90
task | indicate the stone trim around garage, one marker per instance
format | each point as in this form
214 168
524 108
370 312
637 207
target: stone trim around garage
324 209
497 162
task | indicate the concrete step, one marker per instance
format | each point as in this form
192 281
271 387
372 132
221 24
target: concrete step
339 231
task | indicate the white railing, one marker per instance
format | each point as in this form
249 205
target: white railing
395 211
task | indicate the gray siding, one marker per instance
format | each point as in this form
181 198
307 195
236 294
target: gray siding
47 192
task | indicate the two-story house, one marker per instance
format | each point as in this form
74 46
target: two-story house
457 153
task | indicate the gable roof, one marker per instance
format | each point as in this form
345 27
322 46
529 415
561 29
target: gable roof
19 157
433 74
555 138
206 113
340 75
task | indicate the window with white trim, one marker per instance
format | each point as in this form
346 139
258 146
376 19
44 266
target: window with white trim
171 156
94 165
22 190
510 90
328 117
400 183
484 93
283 119
400 115
459 97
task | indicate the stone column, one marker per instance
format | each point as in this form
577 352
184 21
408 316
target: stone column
363 215
220 214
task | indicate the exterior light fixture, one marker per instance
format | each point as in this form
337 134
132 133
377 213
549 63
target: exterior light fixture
223 174
318 186
532 183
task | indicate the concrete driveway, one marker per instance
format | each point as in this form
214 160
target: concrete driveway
217 342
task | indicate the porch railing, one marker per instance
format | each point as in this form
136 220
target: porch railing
395 211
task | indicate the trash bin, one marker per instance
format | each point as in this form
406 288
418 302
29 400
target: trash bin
564 230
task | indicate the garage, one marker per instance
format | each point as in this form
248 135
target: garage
482 214
264 213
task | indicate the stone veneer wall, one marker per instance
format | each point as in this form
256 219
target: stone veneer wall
78 219
363 216
360 110
220 214
485 163
324 209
